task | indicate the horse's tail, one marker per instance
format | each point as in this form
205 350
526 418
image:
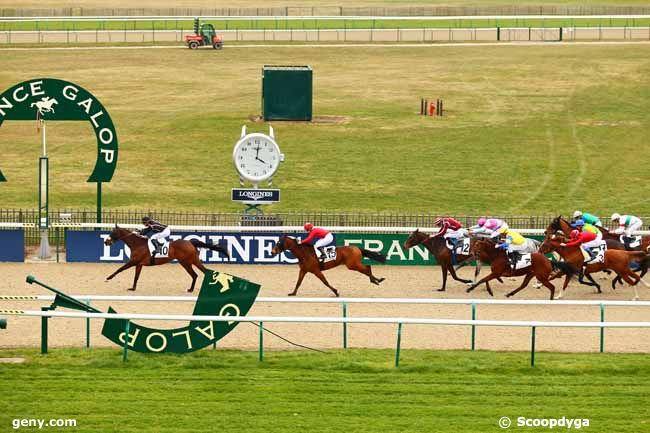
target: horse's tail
198 244
373 255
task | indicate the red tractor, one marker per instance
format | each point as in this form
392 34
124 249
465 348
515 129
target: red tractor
204 35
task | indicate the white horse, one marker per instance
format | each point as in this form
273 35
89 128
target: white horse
45 105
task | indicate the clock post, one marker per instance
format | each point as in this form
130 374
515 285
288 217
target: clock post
256 157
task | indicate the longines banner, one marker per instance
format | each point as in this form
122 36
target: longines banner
247 247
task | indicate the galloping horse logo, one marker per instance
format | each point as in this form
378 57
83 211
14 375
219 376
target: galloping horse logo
45 105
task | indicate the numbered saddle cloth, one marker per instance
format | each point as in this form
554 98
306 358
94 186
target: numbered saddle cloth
599 254
162 252
524 261
635 241
330 253
462 248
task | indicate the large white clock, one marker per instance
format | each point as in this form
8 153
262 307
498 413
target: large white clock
257 156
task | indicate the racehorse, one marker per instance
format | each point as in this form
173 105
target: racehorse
540 267
616 260
186 252
349 256
613 242
438 247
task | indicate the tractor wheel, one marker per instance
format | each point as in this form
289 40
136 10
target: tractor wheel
217 45
193 45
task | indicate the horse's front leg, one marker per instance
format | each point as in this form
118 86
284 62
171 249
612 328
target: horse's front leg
301 275
491 276
138 268
122 268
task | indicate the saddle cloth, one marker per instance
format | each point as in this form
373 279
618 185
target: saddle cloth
163 252
634 243
330 253
524 261
600 253
462 248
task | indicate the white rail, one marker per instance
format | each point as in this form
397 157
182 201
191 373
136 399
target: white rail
307 319
313 18
425 301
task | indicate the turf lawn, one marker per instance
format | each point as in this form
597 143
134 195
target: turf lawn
359 391
527 129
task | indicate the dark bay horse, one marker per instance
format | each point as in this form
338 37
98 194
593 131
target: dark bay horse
616 260
186 252
349 256
438 247
540 267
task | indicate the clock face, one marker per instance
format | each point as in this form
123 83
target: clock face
256 157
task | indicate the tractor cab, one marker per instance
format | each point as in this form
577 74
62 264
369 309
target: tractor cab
204 35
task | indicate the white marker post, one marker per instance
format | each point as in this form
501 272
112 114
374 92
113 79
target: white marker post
43 193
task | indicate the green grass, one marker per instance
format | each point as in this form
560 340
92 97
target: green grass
527 129
358 390
321 24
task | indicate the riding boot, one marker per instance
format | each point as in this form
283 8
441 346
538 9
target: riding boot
156 247
626 242
514 257
592 256
322 255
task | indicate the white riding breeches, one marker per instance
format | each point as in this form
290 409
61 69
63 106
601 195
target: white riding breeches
323 242
519 248
595 243
454 234
160 237
629 230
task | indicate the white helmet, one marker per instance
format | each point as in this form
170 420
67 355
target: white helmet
615 216
577 214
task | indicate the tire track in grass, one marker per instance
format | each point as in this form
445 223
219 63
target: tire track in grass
552 165
582 162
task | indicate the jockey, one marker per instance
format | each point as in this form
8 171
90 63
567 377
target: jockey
587 218
449 229
627 225
488 226
157 234
324 239
588 244
513 243
588 240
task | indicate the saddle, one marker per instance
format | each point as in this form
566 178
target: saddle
631 242
596 254
461 248
520 261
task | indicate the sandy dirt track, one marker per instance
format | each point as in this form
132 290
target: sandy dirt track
277 281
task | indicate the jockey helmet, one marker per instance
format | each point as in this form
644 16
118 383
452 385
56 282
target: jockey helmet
308 226
615 216
438 221
146 219
575 234
580 222
577 214
481 222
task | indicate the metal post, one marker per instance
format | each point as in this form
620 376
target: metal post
532 348
473 326
99 202
126 340
57 235
345 327
399 342
88 326
44 331
602 329
261 350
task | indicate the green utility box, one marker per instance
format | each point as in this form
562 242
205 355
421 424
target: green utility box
286 92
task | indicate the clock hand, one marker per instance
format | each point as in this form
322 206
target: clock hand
263 162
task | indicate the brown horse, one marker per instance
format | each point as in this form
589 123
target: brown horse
616 260
438 247
186 252
349 256
540 267
613 242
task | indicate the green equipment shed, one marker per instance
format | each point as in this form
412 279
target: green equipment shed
286 92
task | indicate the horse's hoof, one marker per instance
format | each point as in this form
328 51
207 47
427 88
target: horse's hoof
190 290
469 290
441 290
291 294
380 280
131 289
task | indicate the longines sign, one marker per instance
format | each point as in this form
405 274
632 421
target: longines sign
255 195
